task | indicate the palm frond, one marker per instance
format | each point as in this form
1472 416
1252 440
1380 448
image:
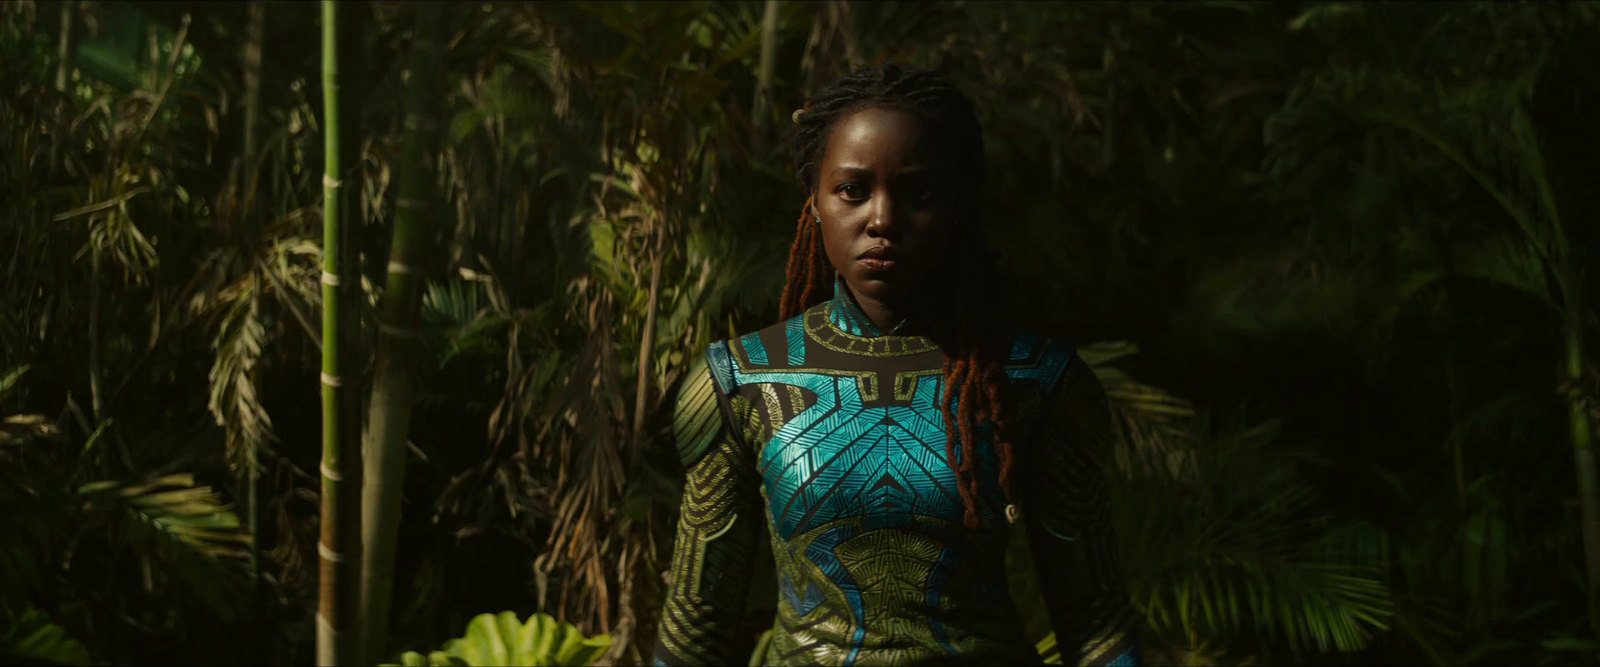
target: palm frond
1231 546
173 509
188 527
8 381
19 429
1512 262
113 234
1151 423
32 638
455 321
239 342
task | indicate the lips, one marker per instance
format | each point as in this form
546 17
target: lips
879 257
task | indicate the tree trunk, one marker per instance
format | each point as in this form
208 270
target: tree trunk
64 57
389 416
844 19
1583 450
65 52
624 641
255 12
250 226
769 54
95 392
1108 145
339 548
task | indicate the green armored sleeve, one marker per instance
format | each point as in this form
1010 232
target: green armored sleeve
1069 526
697 417
718 527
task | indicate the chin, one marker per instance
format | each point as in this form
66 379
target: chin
883 289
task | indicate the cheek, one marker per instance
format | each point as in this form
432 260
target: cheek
841 229
937 237
836 241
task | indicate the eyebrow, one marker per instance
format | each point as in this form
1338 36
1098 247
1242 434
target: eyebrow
863 171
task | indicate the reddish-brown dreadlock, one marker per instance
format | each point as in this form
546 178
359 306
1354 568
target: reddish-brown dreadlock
974 377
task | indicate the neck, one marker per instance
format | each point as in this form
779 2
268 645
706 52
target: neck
885 316
901 317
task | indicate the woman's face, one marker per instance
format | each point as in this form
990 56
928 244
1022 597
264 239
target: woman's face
885 196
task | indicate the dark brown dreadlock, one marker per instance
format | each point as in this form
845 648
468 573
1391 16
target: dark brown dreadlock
972 358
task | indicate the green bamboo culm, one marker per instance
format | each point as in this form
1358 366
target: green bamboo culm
338 638
389 414
1583 448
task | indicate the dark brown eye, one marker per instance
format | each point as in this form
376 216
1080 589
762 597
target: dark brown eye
852 191
919 190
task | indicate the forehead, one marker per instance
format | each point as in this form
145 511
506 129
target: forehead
878 138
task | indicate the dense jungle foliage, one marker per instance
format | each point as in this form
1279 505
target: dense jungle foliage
1330 260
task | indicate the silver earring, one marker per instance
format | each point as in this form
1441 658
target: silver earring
819 219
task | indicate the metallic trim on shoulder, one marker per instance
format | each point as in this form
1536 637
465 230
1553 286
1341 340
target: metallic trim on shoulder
1022 347
795 331
1041 359
1053 364
1129 658
754 349
721 362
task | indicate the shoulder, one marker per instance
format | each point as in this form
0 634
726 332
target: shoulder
713 379
1041 359
697 416
1065 371
1059 381
1078 408
779 345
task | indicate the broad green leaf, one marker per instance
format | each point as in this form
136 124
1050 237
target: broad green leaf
501 639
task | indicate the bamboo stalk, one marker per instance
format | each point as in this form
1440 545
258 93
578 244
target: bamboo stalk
65 48
64 61
769 57
1583 450
352 67
337 640
389 416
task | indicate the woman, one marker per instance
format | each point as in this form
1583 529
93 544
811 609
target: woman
886 431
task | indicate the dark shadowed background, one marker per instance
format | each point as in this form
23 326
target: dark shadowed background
1329 259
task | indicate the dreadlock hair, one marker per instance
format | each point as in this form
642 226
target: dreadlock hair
974 377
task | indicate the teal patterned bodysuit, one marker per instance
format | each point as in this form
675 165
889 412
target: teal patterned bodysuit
825 437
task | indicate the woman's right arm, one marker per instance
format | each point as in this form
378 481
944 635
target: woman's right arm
718 527
1069 528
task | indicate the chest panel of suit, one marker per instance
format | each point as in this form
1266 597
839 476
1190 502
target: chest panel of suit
853 427
848 434
849 439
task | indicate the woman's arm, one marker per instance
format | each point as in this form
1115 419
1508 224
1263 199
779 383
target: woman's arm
718 526
1069 527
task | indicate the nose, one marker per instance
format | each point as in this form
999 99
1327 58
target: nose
886 217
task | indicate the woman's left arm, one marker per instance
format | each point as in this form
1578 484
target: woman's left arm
1067 514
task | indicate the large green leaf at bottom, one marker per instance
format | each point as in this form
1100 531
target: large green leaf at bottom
502 639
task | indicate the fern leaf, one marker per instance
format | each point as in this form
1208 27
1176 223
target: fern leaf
33 639
233 403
